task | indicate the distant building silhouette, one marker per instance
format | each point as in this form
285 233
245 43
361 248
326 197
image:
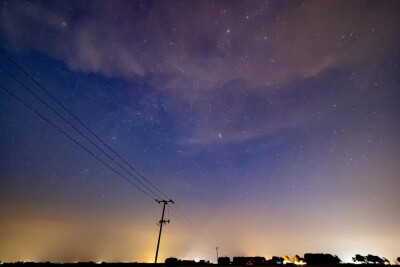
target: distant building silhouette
224 261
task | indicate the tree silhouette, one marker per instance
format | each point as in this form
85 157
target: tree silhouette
359 258
320 258
374 259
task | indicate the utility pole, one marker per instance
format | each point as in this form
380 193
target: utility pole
161 223
216 248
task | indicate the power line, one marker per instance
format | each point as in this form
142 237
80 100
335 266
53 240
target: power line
161 222
75 128
181 221
182 213
72 139
80 122
88 129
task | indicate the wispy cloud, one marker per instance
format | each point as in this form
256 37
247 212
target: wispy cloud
212 56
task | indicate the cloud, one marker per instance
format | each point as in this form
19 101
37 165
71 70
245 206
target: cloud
260 43
200 53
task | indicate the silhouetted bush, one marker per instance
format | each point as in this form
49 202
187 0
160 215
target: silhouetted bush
224 261
374 259
359 258
320 258
370 259
171 262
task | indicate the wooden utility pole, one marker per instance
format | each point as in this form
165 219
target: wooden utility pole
161 223
216 248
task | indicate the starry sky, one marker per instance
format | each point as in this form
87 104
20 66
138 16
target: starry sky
273 125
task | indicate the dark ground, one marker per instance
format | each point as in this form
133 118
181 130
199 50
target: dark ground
161 264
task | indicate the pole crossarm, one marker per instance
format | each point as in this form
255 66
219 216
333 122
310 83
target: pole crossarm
165 201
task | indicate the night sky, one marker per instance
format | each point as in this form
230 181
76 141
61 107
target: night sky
273 125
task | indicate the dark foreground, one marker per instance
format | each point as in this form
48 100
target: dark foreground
162 264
